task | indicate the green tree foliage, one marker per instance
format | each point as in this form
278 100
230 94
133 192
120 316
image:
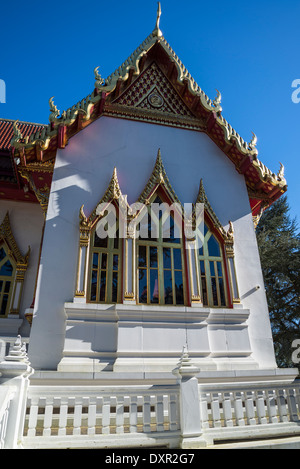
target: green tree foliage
279 246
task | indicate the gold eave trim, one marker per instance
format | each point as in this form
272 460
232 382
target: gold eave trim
153 117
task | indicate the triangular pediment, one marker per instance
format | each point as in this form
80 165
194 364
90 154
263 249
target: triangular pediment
153 91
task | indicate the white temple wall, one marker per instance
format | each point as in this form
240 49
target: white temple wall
82 173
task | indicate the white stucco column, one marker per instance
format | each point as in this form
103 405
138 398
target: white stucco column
190 418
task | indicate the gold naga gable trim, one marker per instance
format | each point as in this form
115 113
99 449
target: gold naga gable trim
6 236
113 192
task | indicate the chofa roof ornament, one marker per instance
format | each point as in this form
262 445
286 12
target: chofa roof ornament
217 102
99 80
17 136
253 142
54 111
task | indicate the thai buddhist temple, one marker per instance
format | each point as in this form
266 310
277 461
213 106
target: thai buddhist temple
128 317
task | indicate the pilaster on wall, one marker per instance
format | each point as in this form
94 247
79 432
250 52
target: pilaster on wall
129 296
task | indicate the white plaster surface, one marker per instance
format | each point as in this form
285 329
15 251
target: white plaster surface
82 173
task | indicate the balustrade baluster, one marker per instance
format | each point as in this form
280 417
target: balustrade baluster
291 399
146 414
249 406
159 414
260 407
92 416
106 416
120 414
33 415
204 401
239 409
133 417
227 409
271 405
282 406
63 415
297 393
77 416
48 417
215 408
173 412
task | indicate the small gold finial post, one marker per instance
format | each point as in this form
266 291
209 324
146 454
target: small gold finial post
157 31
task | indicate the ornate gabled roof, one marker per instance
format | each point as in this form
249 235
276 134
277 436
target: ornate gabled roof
154 86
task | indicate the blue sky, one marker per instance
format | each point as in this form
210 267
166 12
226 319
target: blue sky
247 50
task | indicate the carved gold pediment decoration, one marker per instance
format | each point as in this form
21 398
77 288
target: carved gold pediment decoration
152 91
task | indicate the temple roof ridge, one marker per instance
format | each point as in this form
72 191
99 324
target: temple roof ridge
206 115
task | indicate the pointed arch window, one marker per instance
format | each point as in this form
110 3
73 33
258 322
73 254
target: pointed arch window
160 259
99 268
105 269
217 275
13 267
7 273
212 270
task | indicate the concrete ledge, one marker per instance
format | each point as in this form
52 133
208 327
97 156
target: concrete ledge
277 443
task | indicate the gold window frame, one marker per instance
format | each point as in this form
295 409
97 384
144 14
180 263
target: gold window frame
160 244
158 184
110 251
226 242
206 258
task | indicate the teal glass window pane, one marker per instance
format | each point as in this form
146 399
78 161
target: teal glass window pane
219 269
115 287
214 291
179 288
115 262
116 240
95 261
4 305
142 285
94 285
103 260
222 292
102 285
177 259
154 292
142 256
153 256
167 258
202 268
170 231
213 247
204 291
100 242
168 290
6 269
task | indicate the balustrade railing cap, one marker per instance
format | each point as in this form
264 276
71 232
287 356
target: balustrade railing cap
16 362
185 367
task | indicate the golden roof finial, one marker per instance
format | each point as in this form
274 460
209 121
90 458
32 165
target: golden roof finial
156 30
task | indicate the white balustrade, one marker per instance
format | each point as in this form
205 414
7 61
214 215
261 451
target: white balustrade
249 407
52 413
